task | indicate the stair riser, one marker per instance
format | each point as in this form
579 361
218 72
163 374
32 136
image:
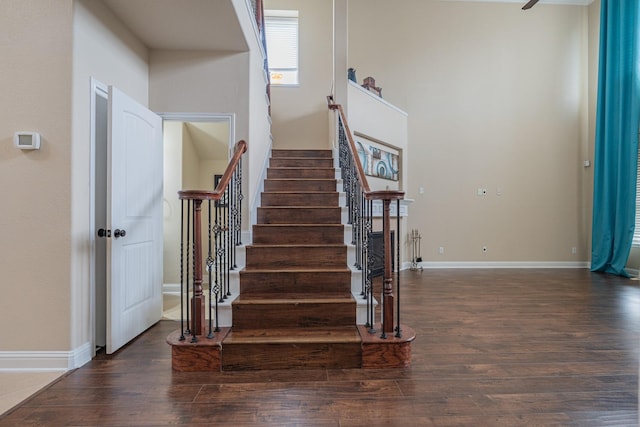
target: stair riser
282 283
267 215
300 185
276 257
291 356
279 162
301 173
287 315
291 234
301 153
300 199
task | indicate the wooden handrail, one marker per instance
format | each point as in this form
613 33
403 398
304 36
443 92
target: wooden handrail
386 196
239 149
368 194
196 197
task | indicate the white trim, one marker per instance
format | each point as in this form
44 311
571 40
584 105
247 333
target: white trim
171 288
257 199
45 361
377 209
499 264
205 117
256 31
97 89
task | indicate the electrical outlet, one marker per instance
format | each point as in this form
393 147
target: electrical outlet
574 250
441 250
485 249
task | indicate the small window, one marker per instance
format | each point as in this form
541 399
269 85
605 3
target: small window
281 31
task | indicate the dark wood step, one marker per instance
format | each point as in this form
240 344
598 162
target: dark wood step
295 283
299 215
277 313
326 348
306 184
300 198
279 152
324 173
300 162
298 233
296 256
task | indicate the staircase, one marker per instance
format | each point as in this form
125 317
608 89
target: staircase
295 308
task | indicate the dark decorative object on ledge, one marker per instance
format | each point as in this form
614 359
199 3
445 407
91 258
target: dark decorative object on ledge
351 73
370 84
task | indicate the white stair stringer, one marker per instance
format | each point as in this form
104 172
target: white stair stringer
361 302
225 317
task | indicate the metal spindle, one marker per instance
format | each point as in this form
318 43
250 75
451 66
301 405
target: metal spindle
209 268
189 203
398 329
182 338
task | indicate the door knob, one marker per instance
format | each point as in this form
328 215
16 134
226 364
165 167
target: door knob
104 233
119 233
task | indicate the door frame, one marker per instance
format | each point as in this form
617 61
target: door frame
97 89
229 118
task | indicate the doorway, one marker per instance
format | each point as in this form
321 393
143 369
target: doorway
196 149
216 130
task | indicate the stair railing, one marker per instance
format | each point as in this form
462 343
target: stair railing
224 230
359 200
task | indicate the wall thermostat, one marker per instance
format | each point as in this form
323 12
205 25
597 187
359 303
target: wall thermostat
27 140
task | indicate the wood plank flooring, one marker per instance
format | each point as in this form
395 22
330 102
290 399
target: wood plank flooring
494 348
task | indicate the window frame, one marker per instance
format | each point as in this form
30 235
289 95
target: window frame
286 18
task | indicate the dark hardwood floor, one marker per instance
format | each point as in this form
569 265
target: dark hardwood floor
494 348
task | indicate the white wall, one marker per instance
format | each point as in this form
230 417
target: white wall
373 117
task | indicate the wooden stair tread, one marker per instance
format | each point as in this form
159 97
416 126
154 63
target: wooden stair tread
294 270
296 245
280 299
298 192
299 207
346 334
302 168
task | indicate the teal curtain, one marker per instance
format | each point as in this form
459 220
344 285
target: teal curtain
616 144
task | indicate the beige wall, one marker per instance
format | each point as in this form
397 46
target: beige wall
300 113
495 99
35 244
202 82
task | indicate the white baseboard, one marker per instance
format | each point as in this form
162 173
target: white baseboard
44 361
499 264
171 288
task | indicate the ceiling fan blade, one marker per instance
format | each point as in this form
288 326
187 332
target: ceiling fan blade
529 5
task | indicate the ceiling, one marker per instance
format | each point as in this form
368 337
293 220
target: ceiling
182 25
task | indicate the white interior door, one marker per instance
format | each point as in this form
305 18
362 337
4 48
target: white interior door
134 218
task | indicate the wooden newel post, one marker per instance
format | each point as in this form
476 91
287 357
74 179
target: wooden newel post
197 301
387 290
